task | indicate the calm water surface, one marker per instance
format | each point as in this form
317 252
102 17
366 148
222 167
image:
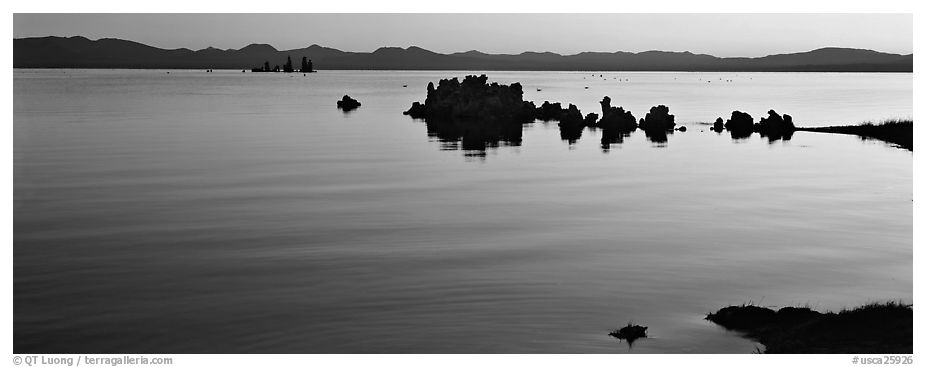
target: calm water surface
238 212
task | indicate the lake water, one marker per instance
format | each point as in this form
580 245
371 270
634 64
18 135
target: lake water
222 212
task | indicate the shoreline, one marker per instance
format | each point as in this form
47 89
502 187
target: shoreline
873 328
897 132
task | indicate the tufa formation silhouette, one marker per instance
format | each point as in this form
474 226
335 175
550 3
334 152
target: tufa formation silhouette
774 127
348 104
615 118
658 119
473 98
739 125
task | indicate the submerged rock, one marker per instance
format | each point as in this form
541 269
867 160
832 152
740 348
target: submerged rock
346 103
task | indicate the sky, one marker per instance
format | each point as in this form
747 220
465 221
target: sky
724 35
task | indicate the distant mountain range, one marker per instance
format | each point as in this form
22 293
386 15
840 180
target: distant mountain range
80 52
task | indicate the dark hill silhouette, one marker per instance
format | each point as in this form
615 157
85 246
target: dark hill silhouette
80 52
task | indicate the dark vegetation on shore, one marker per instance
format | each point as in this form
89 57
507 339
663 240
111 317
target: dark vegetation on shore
876 328
898 132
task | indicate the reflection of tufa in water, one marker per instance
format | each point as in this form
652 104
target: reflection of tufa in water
612 136
473 137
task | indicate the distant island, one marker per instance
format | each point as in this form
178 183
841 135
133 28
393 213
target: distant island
287 67
80 52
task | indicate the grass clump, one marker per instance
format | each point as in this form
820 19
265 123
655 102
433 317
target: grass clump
895 131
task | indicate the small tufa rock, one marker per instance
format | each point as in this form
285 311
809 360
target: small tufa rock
630 333
347 104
